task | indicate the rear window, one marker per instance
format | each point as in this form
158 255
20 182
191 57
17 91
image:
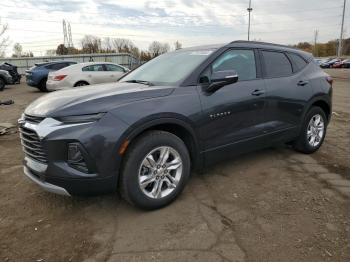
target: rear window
57 66
276 64
298 62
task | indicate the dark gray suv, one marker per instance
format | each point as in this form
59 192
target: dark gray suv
182 110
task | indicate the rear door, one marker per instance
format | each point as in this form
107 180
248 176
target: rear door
285 85
95 74
114 72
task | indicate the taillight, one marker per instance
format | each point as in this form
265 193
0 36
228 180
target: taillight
59 77
329 80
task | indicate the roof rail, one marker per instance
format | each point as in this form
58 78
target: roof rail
260 43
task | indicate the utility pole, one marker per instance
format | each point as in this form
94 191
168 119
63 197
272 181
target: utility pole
250 9
315 43
340 46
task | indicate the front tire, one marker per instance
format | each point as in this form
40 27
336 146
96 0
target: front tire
155 171
313 131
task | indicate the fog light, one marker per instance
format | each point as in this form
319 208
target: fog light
76 158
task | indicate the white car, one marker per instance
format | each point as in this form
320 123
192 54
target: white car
84 74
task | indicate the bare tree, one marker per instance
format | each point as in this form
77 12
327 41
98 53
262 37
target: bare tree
91 44
107 44
177 45
122 44
61 50
50 52
3 40
17 50
157 48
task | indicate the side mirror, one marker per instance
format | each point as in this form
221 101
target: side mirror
222 78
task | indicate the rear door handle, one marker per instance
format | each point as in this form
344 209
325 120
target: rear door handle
258 92
303 83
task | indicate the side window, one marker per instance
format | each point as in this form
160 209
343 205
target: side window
276 64
115 68
298 62
93 68
243 61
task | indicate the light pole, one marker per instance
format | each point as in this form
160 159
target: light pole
250 9
340 46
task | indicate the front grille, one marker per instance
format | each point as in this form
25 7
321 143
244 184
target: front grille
33 119
32 145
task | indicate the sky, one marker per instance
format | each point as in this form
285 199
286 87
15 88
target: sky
37 24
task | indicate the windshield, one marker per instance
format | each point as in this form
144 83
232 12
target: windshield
168 69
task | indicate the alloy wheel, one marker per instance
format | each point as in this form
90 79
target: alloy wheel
160 172
315 130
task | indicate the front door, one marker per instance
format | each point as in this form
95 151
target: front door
235 112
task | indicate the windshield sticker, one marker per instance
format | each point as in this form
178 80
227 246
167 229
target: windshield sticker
206 52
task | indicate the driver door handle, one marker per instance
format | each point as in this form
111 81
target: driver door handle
258 92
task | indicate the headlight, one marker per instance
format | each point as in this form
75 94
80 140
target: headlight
80 118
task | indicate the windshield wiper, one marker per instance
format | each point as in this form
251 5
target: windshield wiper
144 82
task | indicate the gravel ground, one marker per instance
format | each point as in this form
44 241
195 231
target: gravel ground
272 205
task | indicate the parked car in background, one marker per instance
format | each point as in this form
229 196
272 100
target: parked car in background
319 61
5 79
342 64
346 63
184 109
37 75
85 74
330 63
338 64
12 69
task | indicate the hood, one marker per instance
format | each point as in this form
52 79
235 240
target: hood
93 99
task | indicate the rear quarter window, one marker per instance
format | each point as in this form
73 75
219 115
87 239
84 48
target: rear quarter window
297 61
276 64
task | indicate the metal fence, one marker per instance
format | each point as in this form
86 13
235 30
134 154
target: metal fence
123 59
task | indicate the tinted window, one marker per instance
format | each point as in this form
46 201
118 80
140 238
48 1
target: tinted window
298 62
276 64
57 66
93 68
242 61
110 67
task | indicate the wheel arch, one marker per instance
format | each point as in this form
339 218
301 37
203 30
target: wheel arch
76 82
321 102
176 126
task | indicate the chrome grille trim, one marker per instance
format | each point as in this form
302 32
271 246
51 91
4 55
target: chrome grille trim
32 145
33 119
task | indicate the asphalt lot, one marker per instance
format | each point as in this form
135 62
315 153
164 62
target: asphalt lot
272 205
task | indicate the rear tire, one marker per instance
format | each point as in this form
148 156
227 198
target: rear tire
42 85
81 83
150 181
2 84
313 131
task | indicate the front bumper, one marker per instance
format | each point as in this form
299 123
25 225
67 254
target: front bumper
46 186
100 141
